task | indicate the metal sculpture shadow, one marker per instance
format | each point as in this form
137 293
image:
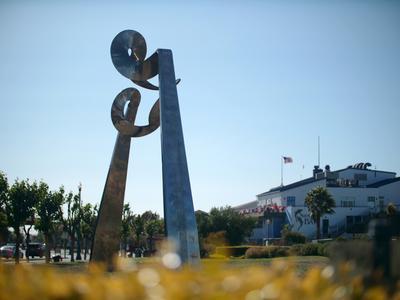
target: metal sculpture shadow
128 53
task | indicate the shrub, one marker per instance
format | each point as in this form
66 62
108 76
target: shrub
267 252
235 251
293 237
206 249
309 249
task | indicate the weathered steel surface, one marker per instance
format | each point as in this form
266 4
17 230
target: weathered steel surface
179 215
107 234
128 52
128 127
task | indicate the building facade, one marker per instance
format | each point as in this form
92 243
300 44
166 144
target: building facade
359 193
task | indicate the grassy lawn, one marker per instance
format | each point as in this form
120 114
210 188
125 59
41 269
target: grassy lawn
302 263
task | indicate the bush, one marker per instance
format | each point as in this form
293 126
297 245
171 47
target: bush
208 245
309 249
267 252
293 237
206 249
235 251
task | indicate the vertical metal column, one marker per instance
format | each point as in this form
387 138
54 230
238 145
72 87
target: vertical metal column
179 214
107 237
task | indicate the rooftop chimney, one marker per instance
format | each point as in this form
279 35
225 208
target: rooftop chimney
316 170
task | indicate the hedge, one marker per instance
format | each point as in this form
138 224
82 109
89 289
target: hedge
293 237
267 252
309 249
279 251
235 251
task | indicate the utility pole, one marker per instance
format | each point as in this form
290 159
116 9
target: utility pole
79 233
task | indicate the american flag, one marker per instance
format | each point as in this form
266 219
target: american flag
287 159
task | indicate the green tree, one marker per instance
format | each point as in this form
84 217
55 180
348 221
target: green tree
203 228
3 216
203 223
71 221
20 206
319 203
126 226
153 227
27 230
236 226
89 216
391 209
147 224
138 228
148 216
49 211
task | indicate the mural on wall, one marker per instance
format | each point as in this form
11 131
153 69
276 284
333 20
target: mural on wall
302 218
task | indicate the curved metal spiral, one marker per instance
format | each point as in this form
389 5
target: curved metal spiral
128 52
123 123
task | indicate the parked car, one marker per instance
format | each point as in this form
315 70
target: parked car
35 249
8 251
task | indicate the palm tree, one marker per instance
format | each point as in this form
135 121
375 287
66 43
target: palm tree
319 202
391 209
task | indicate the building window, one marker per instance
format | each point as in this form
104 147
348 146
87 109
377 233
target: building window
291 201
349 220
381 202
348 202
360 177
371 201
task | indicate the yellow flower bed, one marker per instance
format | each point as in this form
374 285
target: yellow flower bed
280 280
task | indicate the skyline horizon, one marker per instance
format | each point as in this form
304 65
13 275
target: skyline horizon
259 80
227 204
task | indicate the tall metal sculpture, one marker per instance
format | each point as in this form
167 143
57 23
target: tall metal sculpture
128 52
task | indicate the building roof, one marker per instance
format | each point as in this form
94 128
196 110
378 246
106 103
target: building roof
312 179
383 182
352 168
292 185
246 205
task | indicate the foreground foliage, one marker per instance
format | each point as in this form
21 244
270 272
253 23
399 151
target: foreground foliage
164 281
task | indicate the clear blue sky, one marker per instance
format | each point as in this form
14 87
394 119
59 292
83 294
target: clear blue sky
260 79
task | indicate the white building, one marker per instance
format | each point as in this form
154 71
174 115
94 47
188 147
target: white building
359 192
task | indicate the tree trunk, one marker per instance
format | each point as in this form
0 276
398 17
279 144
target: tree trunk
125 245
18 237
318 221
71 251
65 248
47 248
54 243
151 244
86 249
27 240
78 248
138 240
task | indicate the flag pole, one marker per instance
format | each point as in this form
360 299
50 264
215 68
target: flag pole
281 170
319 157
